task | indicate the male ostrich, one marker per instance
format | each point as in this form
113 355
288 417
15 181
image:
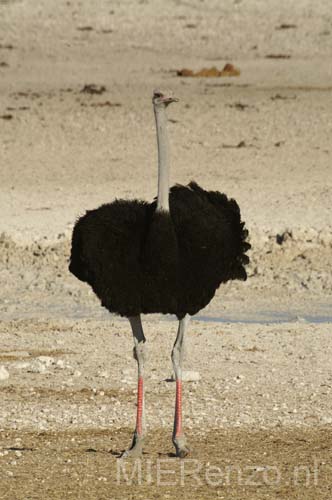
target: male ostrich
168 257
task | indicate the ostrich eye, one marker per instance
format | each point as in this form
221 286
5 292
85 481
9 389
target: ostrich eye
158 94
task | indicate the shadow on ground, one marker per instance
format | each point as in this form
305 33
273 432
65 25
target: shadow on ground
83 464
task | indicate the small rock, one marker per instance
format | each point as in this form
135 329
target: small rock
282 237
37 367
46 360
188 376
93 89
127 371
60 364
125 381
259 468
4 373
22 365
77 373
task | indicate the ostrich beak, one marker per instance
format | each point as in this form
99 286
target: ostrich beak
168 100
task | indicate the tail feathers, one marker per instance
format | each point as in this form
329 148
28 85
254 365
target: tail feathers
217 198
242 259
231 211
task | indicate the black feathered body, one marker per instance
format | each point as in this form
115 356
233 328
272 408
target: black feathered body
140 260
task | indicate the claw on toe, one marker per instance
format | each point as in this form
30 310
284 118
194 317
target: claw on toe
132 453
136 449
181 448
182 452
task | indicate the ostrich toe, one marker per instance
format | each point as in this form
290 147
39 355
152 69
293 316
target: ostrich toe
181 447
136 449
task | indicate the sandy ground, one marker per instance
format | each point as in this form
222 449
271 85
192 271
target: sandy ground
262 348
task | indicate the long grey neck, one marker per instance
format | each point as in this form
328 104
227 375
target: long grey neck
163 159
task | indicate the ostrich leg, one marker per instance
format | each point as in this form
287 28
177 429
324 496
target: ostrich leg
179 439
139 354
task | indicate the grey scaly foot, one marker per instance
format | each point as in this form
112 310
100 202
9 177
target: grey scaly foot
181 447
136 449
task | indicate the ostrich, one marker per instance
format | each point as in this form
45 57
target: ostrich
168 257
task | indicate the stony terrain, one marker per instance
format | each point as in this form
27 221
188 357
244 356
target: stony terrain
77 130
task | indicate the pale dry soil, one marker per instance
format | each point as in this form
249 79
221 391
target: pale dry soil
258 420
262 404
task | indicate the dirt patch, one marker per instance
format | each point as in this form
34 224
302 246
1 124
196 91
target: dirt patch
33 353
228 70
284 463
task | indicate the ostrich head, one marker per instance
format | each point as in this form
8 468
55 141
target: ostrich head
161 99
